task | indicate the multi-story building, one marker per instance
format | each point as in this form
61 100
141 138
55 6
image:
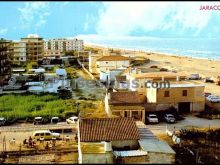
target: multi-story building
5 60
34 47
58 47
19 52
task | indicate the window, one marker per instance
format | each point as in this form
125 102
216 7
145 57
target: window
167 94
184 93
47 134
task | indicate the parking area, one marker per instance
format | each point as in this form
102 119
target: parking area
189 121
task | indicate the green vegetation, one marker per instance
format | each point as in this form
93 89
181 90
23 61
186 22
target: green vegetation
28 106
71 53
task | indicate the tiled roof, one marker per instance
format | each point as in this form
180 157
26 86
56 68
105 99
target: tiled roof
113 58
108 129
130 97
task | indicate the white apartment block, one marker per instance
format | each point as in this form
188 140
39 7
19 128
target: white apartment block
60 46
19 52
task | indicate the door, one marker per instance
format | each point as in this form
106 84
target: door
184 107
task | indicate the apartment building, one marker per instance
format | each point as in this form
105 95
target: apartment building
5 60
58 47
19 52
34 47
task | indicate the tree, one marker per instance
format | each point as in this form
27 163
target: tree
65 93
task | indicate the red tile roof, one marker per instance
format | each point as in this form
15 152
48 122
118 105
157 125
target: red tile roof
130 97
113 58
108 129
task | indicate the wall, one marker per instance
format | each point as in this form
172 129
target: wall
108 65
107 109
194 94
161 158
103 158
134 160
92 63
198 106
121 144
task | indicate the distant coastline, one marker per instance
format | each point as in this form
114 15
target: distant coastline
149 51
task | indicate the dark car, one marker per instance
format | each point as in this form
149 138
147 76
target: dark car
208 80
169 118
2 121
55 120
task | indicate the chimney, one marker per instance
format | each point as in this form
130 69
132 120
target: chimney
177 78
108 146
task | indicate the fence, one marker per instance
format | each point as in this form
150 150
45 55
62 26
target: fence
172 134
36 127
82 65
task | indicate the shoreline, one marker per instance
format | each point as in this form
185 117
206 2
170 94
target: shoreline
102 46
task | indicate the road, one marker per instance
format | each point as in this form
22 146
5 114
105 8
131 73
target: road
31 127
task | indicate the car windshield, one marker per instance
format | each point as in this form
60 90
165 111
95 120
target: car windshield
152 116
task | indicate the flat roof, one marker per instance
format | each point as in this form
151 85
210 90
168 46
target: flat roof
185 85
114 107
155 145
61 72
93 148
130 153
113 58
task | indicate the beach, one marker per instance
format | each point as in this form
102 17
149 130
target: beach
204 67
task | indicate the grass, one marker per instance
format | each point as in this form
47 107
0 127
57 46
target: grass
28 106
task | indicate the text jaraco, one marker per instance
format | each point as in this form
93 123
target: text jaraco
207 7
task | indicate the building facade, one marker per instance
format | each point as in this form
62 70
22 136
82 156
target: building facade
58 47
19 52
5 61
106 63
34 47
185 97
126 104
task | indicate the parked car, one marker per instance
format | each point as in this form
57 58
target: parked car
72 120
45 134
208 80
55 120
38 120
194 77
169 118
152 118
213 98
2 121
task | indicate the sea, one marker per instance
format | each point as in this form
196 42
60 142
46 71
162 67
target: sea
205 48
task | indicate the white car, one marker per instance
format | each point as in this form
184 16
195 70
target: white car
72 120
213 98
152 118
45 134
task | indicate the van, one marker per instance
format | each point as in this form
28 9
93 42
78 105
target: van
45 134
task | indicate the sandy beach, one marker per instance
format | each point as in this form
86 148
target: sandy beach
205 67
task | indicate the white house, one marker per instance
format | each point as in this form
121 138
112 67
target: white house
110 75
107 63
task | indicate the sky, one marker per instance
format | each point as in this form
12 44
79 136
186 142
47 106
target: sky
109 19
